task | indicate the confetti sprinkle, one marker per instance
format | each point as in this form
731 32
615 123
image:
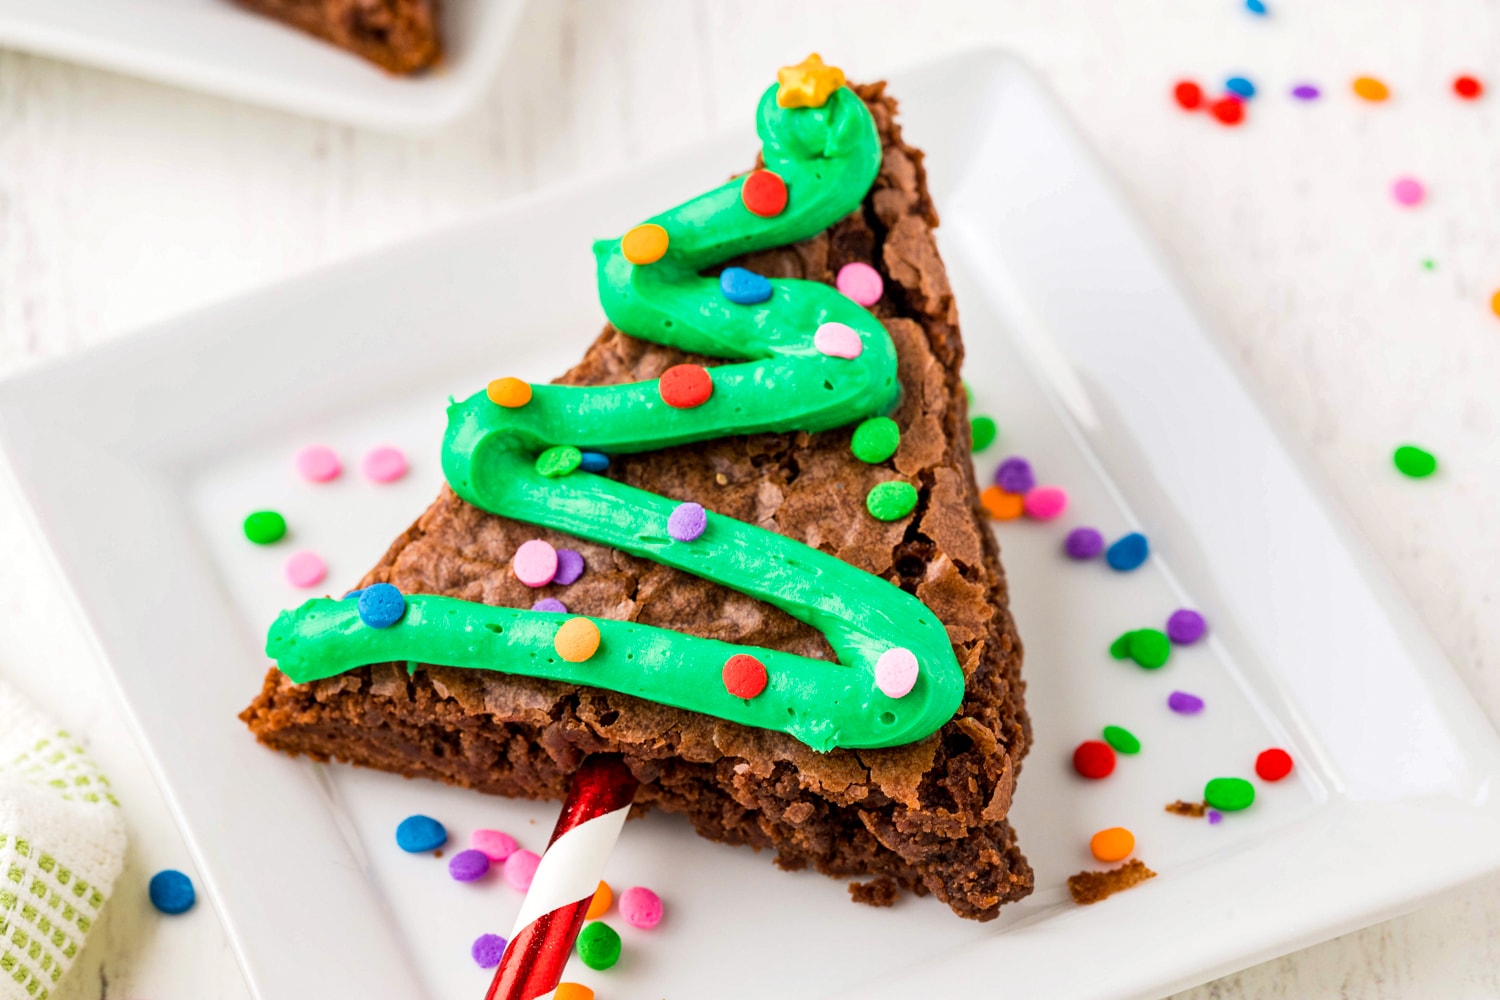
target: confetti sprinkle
385 464
1306 92
860 282
1468 88
318 463
744 287
520 868
875 440
1428 264
468 866
1188 95
982 431
1184 704
497 846
569 567
891 501
1229 794
535 563
1046 503
1094 760
487 949
1186 627
1215 817
599 905
1148 647
598 945
1128 552
419 834
508 392
685 386
1257 7
687 522
576 640
1414 462
1083 543
1273 764
551 604
1408 191
1015 475
265 527
380 605
1228 110
645 244
170 890
1240 87
896 672
1000 505
305 569
1122 739
593 461
838 340
572 991
558 461
1495 303
1114 844
640 907
764 193
744 676
1371 89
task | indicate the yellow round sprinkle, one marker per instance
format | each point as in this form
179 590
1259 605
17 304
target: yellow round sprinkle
509 392
1371 89
1114 844
645 244
577 640
599 905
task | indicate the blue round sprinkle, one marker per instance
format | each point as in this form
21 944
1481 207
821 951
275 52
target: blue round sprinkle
381 605
172 892
744 287
593 461
1240 86
420 834
1128 553
1256 7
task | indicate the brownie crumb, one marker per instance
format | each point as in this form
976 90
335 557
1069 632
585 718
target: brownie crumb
880 891
399 36
1090 887
1193 809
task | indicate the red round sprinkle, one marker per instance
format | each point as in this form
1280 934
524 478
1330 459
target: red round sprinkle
1094 759
685 386
1188 94
744 676
763 193
1273 764
1229 110
1467 87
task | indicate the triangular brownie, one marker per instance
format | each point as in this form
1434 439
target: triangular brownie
401 36
925 817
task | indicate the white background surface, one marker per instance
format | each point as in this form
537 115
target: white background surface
123 202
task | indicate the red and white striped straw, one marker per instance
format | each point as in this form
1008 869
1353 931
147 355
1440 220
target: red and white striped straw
565 880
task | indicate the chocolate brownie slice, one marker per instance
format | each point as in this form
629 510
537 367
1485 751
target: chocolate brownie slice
929 817
399 35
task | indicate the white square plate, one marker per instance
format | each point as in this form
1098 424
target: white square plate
140 459
218 47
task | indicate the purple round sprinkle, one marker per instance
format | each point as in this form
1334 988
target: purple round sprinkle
1014 475
1083 543
1214 816
487 950
466 866
550 604
569 567
1184 703
1185 626
687 522
1305 92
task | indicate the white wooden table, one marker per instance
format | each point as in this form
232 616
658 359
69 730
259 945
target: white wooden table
122 202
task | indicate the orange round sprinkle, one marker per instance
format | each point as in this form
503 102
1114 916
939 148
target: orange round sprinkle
599 905
1114 844
1371 89
1495 303
509 392
576 640
572 991
645 244
1002 506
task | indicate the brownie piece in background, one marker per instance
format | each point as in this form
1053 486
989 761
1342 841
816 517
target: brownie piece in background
401 36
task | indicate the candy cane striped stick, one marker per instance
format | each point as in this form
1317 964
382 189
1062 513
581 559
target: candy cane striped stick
565 880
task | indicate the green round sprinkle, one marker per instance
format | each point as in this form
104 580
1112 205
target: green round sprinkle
875 440
264 527
983 430
1429 263
1414 462
889 501
1123 740
1120 648
558 461
1229 794
598 945
1150 647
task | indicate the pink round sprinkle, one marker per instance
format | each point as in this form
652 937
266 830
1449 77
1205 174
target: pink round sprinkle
896 672
860 282
385 464
535 563
495 845
319 463
1045 502
520 869
838 341
640 907
305 569
1408 191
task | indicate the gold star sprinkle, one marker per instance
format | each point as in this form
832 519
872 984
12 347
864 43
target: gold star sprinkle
808 84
